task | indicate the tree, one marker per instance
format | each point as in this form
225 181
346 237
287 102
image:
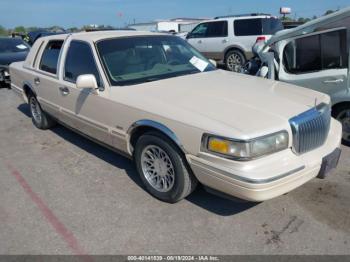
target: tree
3 31
328 12
19 29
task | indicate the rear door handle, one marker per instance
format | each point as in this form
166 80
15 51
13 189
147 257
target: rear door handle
224 41
199 41
64 90
334 81
37 81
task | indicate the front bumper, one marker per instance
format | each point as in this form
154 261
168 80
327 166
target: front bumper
264 178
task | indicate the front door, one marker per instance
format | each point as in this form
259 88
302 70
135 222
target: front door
82 109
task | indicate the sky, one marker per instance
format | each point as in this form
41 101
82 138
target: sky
76 13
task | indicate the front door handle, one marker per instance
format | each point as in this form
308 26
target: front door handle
37 81
64 90
334 81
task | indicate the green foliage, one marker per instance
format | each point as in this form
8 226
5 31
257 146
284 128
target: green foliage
3 31
19 29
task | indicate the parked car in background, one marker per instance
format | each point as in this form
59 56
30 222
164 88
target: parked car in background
11 50
314 55
230 39
157 100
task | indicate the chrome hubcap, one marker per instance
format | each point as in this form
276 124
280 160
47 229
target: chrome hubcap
157 168
234 63
35 110
344 118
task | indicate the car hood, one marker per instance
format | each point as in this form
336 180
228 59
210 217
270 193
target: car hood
223 102
8 58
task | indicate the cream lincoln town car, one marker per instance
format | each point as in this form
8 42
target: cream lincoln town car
156 99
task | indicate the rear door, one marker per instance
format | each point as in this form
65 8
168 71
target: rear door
45 77
318 61
246 32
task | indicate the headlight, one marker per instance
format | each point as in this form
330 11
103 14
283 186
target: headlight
245 150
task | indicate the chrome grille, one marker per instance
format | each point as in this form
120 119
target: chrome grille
310 129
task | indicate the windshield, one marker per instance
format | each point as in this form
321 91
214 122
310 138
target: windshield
13 45
134 60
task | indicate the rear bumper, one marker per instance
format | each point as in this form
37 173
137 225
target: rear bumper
266 178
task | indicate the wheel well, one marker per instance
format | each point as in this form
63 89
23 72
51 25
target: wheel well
27 90
232 49
339 105
141 130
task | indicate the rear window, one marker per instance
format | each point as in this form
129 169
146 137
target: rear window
257 26
49 58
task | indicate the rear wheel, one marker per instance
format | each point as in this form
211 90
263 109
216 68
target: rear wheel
40 119
342 114
162 168
235 60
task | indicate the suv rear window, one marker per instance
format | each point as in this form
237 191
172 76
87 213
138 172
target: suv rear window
257 26
49 58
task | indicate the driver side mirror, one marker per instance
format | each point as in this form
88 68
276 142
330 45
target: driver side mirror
88 82
188 36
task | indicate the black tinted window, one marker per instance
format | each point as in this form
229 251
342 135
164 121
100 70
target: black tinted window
334 53
317 52
246 27
80 61
217 29
271 25
49 58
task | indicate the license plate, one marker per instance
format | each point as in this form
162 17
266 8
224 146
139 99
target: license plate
329 162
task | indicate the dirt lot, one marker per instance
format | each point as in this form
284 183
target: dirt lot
62 194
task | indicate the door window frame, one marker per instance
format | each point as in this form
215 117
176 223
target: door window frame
208 23
42 50
102 84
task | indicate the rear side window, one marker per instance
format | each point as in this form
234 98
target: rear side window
271 25
247 27
317 52
49 58
80 61
217 29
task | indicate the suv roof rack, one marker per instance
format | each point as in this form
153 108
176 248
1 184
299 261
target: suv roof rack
252 14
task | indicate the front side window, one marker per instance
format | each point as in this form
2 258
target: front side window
49 58
316 52
134 60
248 27
80 61
200 31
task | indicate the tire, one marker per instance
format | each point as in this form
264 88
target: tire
170 169
342 114
235 60
39 118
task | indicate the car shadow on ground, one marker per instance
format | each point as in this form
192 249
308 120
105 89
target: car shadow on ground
200 197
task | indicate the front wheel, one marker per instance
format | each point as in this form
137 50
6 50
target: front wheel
234 61
40 119
162 168
342 114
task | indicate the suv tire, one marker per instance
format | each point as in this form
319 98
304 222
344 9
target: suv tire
342 114
235 60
